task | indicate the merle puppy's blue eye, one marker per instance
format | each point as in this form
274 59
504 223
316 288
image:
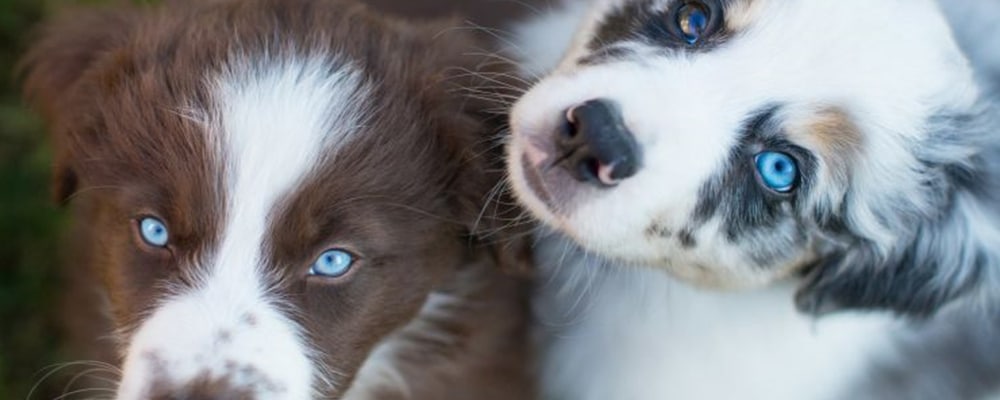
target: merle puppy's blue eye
778 171
332 263
693 20
154 232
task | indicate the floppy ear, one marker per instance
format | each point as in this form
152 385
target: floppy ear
939 257
64 51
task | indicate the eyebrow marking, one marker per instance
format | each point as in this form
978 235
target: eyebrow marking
740 14
833 135
643 23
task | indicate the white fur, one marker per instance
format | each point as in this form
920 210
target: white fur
628 330
270 132
635 333
686 113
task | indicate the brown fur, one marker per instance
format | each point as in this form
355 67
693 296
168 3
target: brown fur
832 134
116 86
741 13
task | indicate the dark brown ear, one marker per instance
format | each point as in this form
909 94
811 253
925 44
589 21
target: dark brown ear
64 51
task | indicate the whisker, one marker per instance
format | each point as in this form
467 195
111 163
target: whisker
56 368
489 197
529 7
497 34
78 376
86 390
498 60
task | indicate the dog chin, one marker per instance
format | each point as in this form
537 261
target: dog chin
591 233
633 252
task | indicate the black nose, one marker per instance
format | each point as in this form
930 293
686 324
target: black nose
595 146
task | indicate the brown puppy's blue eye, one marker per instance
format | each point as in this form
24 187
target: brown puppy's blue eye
154 232
333 263
693 20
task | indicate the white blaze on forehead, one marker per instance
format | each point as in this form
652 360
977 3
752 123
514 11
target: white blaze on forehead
273 123
275 130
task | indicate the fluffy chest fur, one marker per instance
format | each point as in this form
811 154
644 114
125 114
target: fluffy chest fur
613 331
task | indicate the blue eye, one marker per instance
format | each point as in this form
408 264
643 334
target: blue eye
693 19
332 264
154 232
777 170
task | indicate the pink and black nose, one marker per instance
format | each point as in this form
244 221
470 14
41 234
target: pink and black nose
595 146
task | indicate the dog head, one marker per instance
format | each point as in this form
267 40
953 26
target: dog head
266 188
739 142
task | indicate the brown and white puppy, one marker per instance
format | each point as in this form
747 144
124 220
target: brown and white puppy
281 199
764 199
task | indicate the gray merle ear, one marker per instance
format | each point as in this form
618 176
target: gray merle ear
915 282
938 257
63 53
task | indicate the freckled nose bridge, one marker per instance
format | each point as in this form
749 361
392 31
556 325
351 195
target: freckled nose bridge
595 146
218 342
202 389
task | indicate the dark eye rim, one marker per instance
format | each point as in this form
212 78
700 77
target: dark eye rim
715 13
760 180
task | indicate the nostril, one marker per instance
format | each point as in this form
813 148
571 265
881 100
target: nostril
591 170
568 128
588 170
608 174
595 146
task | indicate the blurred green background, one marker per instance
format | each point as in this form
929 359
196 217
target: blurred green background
29 222
30 227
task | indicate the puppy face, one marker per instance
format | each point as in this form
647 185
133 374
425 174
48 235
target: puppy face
735 142
267 188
